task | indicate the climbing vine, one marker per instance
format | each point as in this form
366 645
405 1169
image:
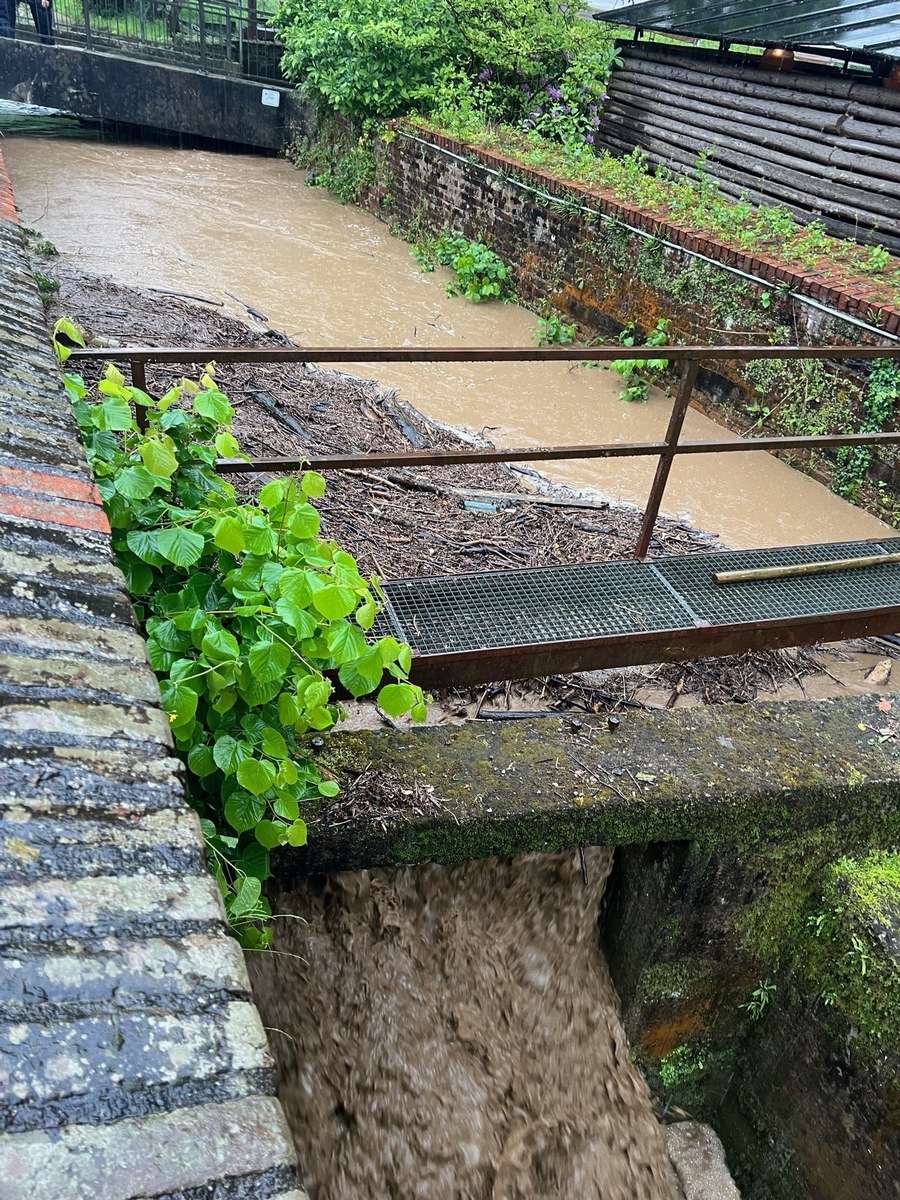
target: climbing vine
249 615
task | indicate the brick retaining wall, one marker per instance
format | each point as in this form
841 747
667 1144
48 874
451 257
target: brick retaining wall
604 264
460 181
132 1060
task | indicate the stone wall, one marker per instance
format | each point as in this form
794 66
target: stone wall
132 1060
604 264
745 1005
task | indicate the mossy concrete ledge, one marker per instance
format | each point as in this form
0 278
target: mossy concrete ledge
739 773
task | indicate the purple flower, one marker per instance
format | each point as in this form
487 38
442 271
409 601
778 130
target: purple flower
592 108
554 93
605 96
590 139
595 121
485 75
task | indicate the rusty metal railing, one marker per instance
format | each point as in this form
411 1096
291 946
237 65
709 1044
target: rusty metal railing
688 358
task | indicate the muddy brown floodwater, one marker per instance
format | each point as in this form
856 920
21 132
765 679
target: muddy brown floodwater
215 223
451 1033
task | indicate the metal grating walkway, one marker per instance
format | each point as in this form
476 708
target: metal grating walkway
477 628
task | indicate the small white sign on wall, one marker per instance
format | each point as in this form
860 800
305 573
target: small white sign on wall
271 98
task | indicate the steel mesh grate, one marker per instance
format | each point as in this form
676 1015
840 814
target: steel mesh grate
771 599
464 613
520 608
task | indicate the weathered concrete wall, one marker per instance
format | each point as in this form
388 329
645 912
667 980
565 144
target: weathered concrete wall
105 87
132 1060
694 774
804 1086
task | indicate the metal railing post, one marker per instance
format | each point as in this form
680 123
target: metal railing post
663 467
201 18
87 24
139 380
142 22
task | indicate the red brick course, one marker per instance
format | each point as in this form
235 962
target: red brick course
61 487
853 299
40 495
54 512
7 201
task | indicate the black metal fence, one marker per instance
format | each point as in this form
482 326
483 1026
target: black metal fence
217 36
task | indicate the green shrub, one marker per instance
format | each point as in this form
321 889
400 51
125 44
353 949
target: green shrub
480 273
372 58
375 59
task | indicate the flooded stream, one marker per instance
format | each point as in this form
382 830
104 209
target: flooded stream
440 1032
451 1033
232 226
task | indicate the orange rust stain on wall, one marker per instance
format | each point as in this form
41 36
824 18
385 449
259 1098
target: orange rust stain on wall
662 1038
7 202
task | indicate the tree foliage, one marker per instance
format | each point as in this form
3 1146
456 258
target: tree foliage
376 59
245 608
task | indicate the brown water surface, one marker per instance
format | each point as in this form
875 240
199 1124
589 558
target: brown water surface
451 1033
214 223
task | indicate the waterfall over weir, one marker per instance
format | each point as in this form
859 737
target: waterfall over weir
453 1033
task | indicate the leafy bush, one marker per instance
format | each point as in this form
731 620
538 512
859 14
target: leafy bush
245 608
568 110
372 58
480 273
376 60
638 373
554 331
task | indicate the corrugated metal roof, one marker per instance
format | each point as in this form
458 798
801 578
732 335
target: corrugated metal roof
872 25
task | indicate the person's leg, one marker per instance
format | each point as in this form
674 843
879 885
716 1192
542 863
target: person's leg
7 18
43 20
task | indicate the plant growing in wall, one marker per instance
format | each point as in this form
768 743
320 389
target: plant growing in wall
554 331
879 404
245 608
480 273
639 374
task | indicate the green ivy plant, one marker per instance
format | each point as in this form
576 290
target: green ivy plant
249 616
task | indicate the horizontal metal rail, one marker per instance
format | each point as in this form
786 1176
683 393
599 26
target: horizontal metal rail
454 458
689 359
187 355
